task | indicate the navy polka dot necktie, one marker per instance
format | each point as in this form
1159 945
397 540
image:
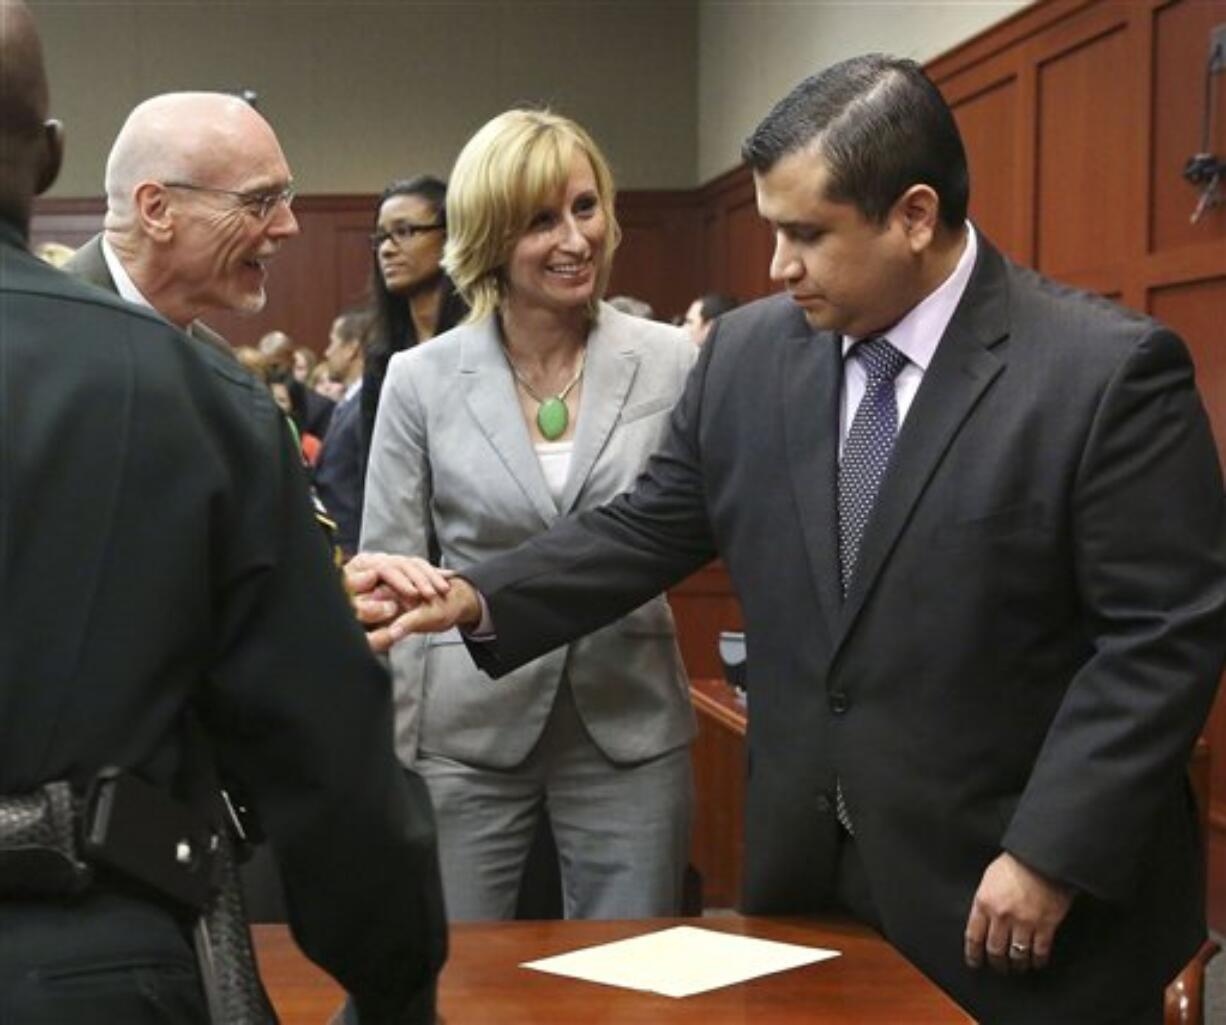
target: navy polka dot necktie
866 455
866 452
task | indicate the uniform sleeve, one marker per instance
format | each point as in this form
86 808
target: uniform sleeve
302 717
1149 531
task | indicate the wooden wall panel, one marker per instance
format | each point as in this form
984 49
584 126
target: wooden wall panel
72 222
738 242
327 268
354 260
661 256
1181 47
988 121
1195 309
714 253
749 239
1082 180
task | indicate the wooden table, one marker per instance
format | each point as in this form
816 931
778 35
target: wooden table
483 983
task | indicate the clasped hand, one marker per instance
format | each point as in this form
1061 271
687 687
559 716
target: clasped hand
396 595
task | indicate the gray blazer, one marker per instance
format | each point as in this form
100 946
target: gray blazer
453 477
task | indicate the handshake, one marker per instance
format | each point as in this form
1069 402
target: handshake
397 595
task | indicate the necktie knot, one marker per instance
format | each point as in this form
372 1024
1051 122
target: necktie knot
882 362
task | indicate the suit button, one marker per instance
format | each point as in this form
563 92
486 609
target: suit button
824 804
839 702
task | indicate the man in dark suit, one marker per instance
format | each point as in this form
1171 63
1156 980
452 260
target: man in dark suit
198 199
311 411
975 521
157 555
339 476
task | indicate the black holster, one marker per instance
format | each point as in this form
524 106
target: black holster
56 846
222 934
224 951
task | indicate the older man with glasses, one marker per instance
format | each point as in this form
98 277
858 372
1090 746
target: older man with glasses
198 202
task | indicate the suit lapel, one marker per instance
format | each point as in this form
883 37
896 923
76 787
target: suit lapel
810 377
489 391
608 373
89 264
962 368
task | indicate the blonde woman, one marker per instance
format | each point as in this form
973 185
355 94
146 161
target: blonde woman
545 401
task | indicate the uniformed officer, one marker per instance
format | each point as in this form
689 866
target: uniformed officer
157 554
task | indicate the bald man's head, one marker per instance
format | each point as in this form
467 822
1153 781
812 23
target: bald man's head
30 146
198 197
188 137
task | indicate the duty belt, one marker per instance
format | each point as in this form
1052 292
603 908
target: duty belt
53 843
39 848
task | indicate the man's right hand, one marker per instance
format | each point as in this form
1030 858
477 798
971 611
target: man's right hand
459 606
395 595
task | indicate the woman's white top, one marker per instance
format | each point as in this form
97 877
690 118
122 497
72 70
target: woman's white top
554 457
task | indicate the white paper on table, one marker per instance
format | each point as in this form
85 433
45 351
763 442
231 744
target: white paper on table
680 961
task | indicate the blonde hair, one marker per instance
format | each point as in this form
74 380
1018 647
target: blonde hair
514 165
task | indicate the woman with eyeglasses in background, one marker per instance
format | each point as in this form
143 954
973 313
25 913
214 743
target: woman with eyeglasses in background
412 297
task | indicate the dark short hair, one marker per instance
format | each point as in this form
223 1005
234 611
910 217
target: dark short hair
352 325
880 125
716 304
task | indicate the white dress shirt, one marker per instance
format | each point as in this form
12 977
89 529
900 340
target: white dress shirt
916 336
123 282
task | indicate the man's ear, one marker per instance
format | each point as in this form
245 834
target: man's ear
152 210
51 158
917 211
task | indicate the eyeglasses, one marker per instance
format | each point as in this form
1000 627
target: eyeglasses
402 233
260 202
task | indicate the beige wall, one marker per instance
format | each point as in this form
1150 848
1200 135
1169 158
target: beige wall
753 51
363 92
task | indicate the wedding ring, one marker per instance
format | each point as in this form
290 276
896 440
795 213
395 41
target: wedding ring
1018 948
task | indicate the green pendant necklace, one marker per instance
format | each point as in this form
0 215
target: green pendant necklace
552 416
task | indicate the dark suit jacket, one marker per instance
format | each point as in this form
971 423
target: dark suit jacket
339 478
156 551
316 413
88 264
1030 645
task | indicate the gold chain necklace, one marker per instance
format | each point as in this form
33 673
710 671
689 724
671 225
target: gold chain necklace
552 416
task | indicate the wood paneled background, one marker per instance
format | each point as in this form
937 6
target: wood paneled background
1078 116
